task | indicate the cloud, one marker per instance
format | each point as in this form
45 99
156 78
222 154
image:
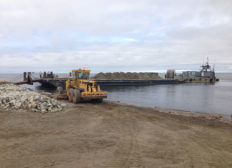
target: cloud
114 35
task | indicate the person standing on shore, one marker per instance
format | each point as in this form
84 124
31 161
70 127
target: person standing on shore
40 74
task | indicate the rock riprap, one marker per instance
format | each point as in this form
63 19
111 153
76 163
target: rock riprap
15 97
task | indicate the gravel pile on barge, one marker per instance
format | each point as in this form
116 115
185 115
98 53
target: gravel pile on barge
15 97
127 76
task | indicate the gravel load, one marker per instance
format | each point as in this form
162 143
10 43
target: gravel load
127 76
15 97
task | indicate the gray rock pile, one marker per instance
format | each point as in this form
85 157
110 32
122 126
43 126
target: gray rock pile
3 82
127 76
15 97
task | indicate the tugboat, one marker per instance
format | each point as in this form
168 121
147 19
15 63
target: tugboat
205 75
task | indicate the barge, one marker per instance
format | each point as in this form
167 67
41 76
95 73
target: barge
51 80
56 82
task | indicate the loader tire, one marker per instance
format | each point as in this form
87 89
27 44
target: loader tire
76 96
70 96
60 90
99 100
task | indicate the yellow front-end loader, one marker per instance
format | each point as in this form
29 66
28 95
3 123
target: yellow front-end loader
80 88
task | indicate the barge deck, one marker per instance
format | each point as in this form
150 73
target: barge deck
56 82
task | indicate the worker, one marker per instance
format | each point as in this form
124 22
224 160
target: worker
40 74
25 76
44 75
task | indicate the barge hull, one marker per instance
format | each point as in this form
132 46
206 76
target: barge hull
136 82
56 82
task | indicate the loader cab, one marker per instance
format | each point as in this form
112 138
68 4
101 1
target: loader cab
80 74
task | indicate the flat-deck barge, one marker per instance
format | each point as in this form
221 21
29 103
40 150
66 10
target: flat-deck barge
56 82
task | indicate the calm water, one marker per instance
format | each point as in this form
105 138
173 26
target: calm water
209 98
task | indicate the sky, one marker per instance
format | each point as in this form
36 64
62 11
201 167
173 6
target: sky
114 35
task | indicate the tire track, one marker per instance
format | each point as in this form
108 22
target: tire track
127 153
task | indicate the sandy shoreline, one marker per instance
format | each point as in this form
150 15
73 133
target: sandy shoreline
112 135
200 115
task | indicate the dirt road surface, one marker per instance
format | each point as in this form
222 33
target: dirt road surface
111 135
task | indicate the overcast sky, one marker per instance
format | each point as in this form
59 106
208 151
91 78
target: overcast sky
114 35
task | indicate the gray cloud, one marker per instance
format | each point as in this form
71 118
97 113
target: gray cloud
110 35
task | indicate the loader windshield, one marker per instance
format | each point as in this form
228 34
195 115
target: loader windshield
83 75
80 75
